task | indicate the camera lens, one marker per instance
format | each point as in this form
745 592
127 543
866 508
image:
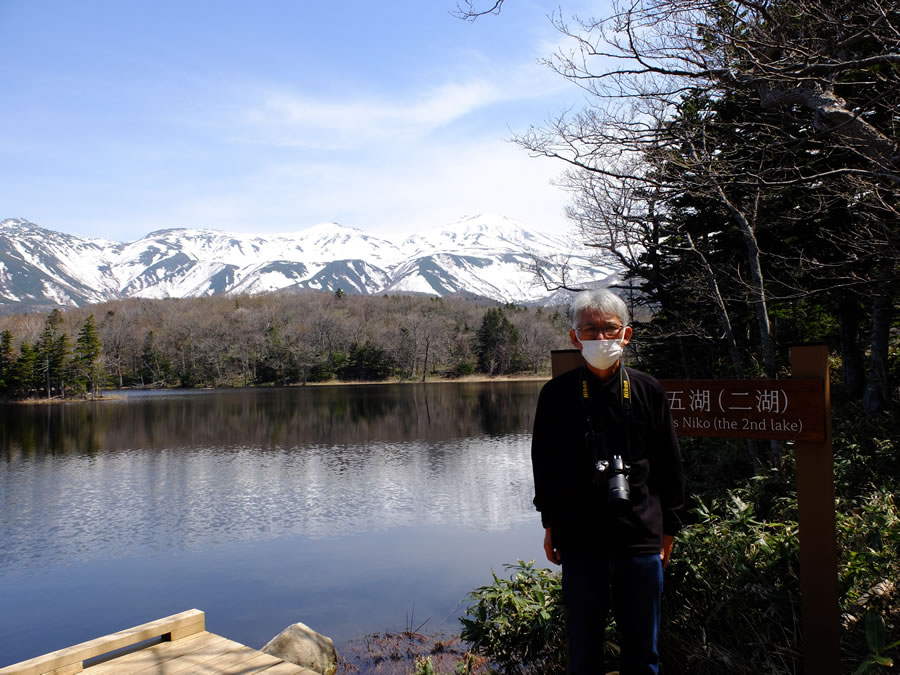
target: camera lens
618 488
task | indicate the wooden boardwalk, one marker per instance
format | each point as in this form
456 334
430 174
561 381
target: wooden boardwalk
180 644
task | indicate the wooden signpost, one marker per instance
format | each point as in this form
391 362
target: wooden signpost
761 409
798 409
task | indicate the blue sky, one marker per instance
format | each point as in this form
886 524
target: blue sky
121 117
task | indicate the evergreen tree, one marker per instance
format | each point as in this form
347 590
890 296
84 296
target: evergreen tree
52 354
26 376
496 343
366 362
86 368
6 362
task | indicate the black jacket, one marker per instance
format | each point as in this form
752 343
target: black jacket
572 501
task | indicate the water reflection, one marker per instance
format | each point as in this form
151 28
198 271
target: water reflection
163 472
272 418
263 507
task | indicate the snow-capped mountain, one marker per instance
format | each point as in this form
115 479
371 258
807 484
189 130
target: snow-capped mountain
487 256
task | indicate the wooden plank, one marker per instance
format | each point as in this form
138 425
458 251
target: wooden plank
237 661
185 631
67 670
285 668
69 656
193 662
198 652
167 658
152 657
256 664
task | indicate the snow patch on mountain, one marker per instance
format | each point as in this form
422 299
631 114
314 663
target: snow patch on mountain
482 232
484 255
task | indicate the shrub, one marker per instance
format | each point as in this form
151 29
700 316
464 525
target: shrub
518 622
732 600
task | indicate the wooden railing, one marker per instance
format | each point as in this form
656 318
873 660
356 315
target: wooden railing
71 659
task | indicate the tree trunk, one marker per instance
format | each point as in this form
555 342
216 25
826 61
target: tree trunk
721 310
851 355
425 361
877 394
757 288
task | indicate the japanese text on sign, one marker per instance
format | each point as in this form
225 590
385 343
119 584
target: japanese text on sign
766 409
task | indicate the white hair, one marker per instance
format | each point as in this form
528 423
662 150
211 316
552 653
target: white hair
599 300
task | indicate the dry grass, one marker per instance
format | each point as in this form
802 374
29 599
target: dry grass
396 653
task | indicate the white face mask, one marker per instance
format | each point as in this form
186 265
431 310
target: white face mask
603 354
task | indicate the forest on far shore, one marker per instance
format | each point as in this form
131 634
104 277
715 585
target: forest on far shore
275 338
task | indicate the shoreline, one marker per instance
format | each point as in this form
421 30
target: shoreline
434 380
112 393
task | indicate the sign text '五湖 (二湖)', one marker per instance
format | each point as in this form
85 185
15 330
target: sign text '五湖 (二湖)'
765 409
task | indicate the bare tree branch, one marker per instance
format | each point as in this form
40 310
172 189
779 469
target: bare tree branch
467 11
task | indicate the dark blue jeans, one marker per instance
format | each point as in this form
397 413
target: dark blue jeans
633 585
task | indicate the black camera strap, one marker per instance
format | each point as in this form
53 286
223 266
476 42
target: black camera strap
626 407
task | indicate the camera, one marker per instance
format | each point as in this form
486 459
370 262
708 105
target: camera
616 473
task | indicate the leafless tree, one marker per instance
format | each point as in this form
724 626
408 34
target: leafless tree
553 272
822 74
538 337
793 55
116 328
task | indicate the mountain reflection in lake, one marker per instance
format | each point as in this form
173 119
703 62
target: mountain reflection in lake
354 509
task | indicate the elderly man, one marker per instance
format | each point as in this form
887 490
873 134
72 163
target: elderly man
608 484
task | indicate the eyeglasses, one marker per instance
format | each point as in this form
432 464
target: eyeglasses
592 332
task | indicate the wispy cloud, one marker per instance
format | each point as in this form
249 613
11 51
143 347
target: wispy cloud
390 163
296 119
371 117
284 131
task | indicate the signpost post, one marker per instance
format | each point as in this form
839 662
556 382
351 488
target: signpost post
798 409
818 541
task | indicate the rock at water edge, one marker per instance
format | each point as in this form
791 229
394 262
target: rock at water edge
301 645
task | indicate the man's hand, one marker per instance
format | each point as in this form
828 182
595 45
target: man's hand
553 554
666 552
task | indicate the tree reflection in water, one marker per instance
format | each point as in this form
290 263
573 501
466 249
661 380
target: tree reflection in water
385 495
270 418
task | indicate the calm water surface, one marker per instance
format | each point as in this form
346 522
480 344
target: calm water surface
354 509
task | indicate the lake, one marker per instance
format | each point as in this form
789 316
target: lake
354 509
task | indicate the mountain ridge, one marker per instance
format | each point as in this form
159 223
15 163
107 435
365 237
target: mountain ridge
483 255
